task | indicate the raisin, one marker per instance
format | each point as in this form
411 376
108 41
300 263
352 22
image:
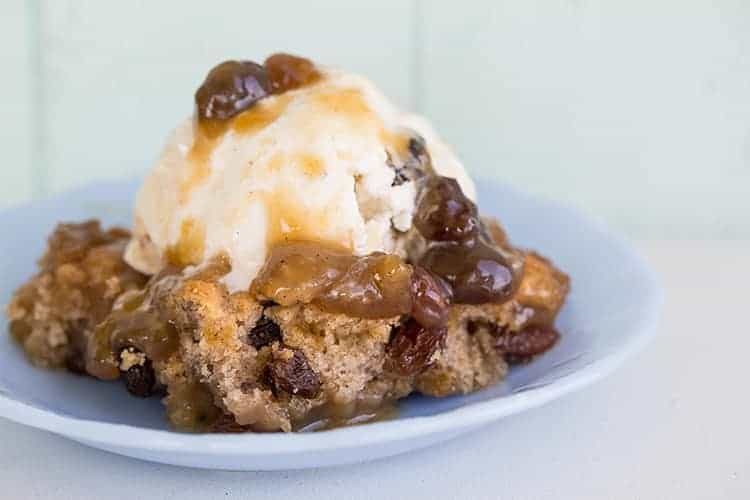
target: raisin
263 333
431 298
414 168
230 88
140 380
478 274
75 362
521 347
411 348
290 372
287 72
473 326
444 213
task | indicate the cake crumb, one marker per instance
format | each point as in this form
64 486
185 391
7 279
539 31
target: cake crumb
130 357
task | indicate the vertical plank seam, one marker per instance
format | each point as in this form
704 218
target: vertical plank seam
36 156
417 53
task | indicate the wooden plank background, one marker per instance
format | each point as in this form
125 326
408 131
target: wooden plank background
638 112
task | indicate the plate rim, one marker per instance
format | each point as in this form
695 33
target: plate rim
465 417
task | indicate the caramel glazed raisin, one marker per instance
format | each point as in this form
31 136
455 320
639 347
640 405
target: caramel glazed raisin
461 264
234 86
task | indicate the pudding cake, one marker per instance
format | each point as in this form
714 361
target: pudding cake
302 256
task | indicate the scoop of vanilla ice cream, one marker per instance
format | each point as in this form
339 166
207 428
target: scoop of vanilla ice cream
314 164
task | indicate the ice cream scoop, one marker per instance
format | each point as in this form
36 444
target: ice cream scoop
290 153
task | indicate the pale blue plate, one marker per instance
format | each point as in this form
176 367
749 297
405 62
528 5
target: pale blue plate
611 313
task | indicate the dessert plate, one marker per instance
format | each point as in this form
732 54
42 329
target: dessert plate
611 313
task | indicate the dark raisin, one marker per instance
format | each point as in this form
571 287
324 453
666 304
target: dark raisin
431 298
411 348
444 213
473 326
230 88
75 363
522 346
416 165
140 380
75 360
287 72
290 372
263 333
478 274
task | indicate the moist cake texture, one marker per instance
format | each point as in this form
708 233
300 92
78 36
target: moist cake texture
317 322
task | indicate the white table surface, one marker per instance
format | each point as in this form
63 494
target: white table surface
674 422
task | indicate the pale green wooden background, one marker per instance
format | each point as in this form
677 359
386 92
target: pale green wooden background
636 111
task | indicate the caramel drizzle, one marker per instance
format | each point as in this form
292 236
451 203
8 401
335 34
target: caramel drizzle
209 133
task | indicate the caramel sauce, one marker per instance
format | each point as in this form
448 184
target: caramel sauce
310 165
191 408
261 115
346 102
374 286
134 324
300 272
290 220
205 138
351 104
217 267
371 286
331 416
276 163
190 247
